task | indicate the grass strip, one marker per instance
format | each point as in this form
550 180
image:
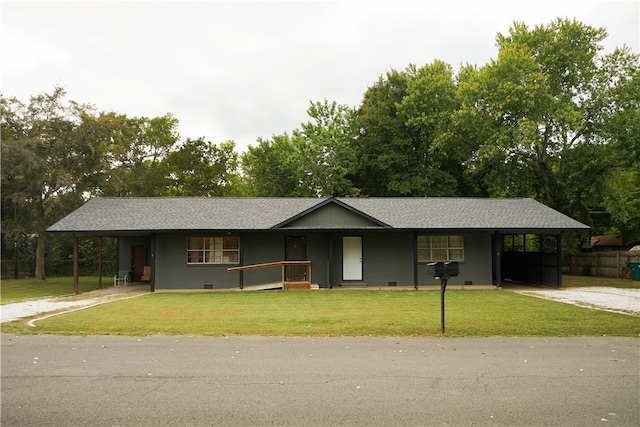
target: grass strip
16 290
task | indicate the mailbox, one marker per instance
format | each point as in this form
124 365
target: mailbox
451 268
442 269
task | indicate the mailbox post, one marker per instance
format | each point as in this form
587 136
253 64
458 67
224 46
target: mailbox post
443 270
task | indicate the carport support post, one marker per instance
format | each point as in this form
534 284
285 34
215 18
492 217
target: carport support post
100 263
75 265
443 288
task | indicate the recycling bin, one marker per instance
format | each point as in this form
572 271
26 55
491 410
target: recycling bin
635 270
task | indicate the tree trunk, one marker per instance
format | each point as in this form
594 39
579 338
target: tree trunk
39 275
544 167
544 172
40 247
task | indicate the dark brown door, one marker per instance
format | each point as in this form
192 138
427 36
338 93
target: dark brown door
138 261
295 250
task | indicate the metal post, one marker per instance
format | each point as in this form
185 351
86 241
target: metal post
241 261
16 251
75 265
16 261
559 260
443 288
415 260
100 263
497 256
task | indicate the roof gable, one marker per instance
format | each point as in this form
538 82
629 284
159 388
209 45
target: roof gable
332 214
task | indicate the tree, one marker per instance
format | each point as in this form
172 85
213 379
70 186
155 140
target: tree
138 153
621 198
325 151
428 108
403 126
273 168
200 168
545 105
314 161
52 156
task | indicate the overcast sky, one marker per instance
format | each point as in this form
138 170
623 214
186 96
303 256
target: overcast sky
239 70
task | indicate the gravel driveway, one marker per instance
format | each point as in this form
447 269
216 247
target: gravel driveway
617 300
24 309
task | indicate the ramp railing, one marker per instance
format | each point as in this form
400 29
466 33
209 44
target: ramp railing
294 274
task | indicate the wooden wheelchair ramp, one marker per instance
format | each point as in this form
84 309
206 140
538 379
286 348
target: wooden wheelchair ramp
263 287
302 269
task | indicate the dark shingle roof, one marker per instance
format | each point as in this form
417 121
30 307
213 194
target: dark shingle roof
104 215
466 213
181 213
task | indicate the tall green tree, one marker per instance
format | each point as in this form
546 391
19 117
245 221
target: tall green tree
200 168
315 160
270 169
544 106
403 123
138 154
53 155
325 150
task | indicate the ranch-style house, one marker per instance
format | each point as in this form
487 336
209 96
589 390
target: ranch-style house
229 243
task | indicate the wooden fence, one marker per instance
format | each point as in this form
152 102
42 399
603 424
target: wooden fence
602 264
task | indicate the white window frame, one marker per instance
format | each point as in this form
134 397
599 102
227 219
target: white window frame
433 248
211 250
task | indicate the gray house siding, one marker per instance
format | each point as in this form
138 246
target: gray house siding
475 268
262 248
331 216
317 253
173 272
387 258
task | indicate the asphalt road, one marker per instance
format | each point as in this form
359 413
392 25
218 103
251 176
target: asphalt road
184 381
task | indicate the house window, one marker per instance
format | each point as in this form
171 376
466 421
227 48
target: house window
440 248
213 250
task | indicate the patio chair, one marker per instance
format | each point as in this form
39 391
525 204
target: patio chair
146 274
121 277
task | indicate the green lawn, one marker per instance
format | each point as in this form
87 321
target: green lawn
12 290
330 313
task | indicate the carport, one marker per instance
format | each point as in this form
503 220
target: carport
528 257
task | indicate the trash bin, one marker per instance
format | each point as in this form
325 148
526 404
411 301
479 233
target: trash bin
635 270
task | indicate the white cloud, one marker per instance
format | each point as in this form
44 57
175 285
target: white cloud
242 70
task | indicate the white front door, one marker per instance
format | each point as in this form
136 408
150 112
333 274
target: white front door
352 258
